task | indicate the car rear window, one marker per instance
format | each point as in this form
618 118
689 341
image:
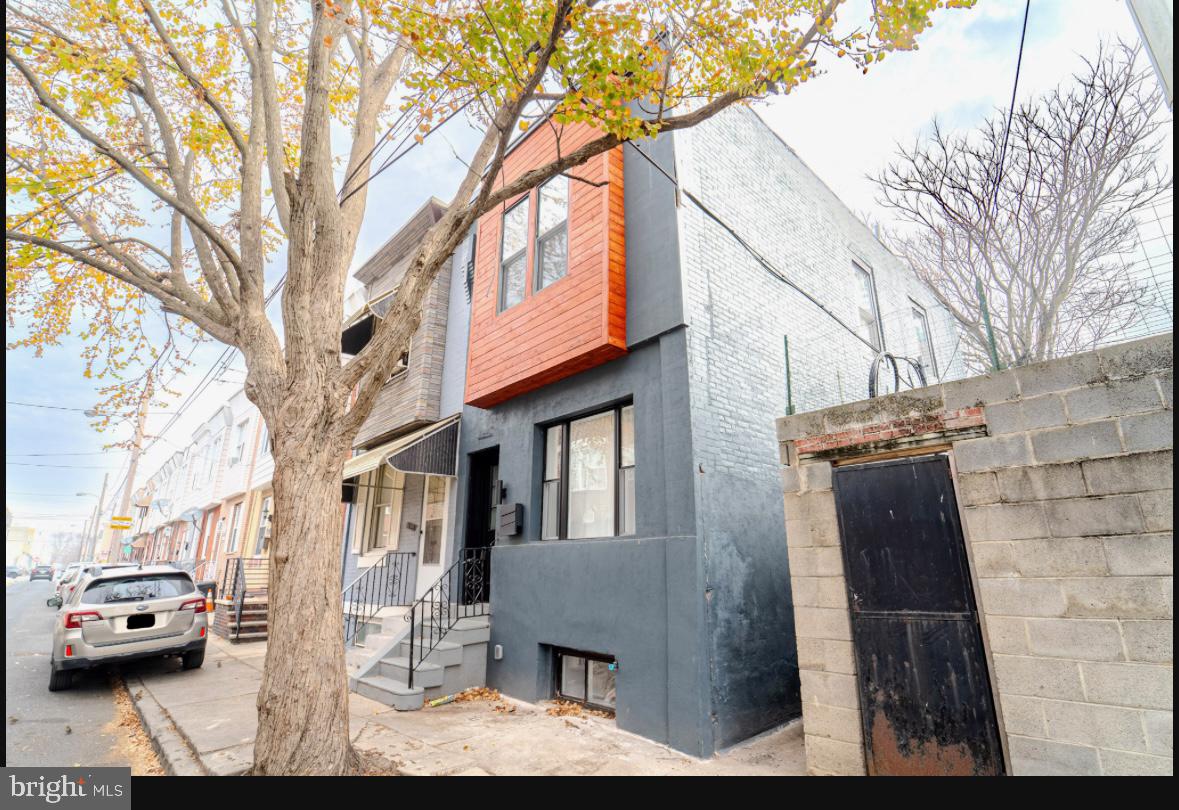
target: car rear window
137 588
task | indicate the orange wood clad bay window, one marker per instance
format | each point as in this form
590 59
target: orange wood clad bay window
537 330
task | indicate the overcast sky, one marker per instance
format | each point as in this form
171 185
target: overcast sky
843 124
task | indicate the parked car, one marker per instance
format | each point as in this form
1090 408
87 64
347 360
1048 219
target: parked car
41 572
75 574
124 613
11 572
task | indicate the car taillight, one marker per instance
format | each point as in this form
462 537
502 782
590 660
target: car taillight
74 619
194 604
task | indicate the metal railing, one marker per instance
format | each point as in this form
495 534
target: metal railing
463 591
243 577
386 584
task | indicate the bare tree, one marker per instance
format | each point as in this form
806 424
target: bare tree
1040 215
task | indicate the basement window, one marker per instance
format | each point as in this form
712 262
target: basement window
587 678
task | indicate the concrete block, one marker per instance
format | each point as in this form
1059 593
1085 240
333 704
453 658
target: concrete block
1140 554
1089 517
1023 715
991 452
804 591
1136 473
1042 483
975 489
1148 431
1060 557
1118 597
830 689
1087 639
1038 677
816 476
812 622
826 655
1059 375
815 562
1032 757
1021 597
1076 442
799 425
1124 763
1114 398
982 390
835 757
1003 521
1143 686
1158 510
1139 358
791 481
1099 726
832 593
1006 634
1026 414
1160 732
993 560
1149 640
833 722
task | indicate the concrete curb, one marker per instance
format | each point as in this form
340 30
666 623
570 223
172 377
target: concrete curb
177 757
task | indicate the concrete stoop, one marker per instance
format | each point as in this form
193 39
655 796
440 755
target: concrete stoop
457 662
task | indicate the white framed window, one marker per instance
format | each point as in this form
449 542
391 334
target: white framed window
240 437
513 272
867 306
552 232
386 496
235 527
924 341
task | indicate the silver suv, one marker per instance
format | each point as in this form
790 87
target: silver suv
121 614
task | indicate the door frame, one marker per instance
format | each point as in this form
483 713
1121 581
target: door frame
427 574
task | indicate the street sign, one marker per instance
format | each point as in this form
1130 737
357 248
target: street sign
119 524
120 519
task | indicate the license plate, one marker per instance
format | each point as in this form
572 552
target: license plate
140 621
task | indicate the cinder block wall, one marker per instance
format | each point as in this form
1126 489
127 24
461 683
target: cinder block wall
1064 476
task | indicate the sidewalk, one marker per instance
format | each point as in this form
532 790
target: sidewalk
212 710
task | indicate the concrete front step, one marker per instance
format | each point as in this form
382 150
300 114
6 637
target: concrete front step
445 653
391 692
425 676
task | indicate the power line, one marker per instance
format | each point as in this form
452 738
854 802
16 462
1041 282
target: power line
1011 108
60 466
37 455
760 259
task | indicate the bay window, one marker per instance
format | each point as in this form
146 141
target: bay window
588 481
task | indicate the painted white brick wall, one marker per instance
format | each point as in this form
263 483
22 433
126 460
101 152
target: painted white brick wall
738 313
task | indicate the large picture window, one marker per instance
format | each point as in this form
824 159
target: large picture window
552 233
514 255
588 488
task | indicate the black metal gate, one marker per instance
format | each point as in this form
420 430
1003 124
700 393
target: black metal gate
925 697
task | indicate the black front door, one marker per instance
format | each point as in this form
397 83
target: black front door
925 695
482 506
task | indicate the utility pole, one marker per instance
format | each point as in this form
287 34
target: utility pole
129 485
90 544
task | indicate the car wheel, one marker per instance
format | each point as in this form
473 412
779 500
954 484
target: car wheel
60 679
194 659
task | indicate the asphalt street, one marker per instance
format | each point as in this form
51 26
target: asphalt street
78 727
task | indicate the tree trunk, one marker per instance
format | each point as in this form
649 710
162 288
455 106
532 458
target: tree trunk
303 700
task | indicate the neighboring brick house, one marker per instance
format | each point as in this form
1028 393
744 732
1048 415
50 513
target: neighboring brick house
1059 478
626 363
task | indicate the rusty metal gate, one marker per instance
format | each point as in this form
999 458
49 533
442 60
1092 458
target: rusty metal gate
925 697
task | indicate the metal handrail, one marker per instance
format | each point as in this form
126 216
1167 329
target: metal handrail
233 585
467 579
384 584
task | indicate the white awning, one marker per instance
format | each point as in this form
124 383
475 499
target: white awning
371 459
